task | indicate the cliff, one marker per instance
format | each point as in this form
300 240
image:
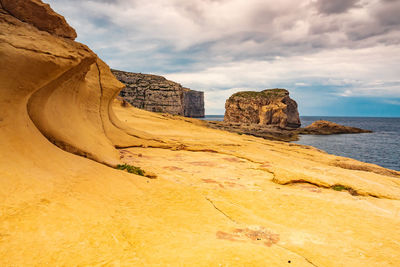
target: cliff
268 107
193 103
157 94
220 199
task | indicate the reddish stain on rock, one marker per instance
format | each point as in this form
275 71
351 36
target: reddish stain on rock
211 181
265 165
203 163
311 188
226 236
232 159
172 168
231 184
261 235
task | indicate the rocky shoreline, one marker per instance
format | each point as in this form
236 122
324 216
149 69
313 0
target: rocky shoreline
271 132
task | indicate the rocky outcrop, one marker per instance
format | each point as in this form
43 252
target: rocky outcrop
157 94
40 15
65 91
268 107
322 127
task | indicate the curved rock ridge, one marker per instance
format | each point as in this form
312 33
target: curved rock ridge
268 107
323 127
66 91
157 94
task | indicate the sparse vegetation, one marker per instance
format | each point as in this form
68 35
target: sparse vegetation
339 187
131 169
266 93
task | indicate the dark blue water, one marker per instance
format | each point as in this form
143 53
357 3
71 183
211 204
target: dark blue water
381 147
213 118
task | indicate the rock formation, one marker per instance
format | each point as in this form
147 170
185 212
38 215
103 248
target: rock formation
39 15
268 107
322 127
233 200
193 103
66 90
157 94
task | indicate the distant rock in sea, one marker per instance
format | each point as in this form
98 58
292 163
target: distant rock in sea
156 93
268 107
322 127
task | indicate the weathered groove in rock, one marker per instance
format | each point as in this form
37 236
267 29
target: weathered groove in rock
347 188
39 52
101 97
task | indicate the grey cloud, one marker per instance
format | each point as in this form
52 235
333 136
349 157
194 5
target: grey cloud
335 6
180 36
388 14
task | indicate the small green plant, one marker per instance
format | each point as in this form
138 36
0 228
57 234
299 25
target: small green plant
131 169
339 187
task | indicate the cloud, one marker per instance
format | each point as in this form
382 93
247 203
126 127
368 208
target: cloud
335 6
317 48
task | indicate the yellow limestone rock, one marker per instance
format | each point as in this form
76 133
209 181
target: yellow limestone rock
220 199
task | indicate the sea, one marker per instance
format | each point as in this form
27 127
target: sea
382 147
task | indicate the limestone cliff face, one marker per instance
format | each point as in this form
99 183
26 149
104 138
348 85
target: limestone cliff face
268 107
193 103
157 94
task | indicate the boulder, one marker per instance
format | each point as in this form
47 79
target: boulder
268 107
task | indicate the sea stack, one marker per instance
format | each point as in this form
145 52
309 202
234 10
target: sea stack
157 94
268 107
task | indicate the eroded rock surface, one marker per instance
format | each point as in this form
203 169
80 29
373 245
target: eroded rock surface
268 107
157 94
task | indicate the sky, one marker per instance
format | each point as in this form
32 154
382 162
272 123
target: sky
336 57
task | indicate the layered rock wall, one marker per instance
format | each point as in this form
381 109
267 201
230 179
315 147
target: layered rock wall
157 94
268 107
